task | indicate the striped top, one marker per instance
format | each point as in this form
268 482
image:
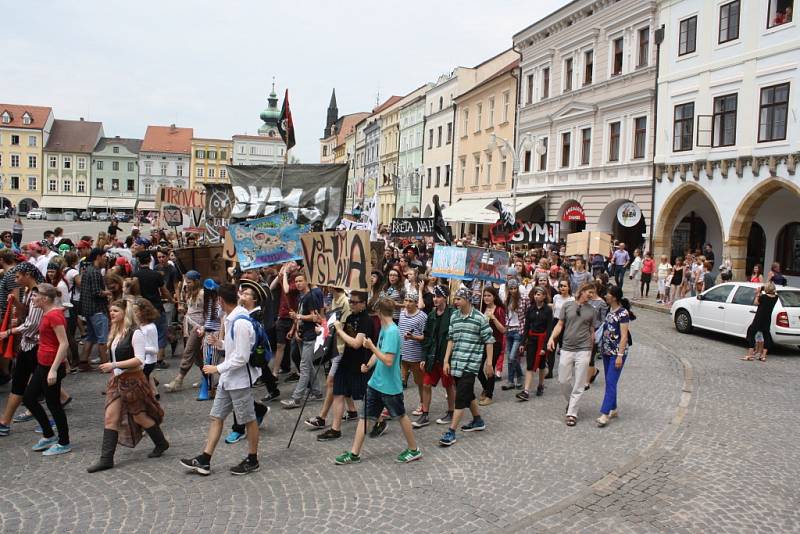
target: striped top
469 333
411 350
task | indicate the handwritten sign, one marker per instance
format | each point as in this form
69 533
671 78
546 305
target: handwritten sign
411 227
267 241
182 198
338 259
449 262
469 263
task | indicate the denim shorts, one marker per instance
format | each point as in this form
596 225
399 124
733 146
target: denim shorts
161 328
97 328
377 401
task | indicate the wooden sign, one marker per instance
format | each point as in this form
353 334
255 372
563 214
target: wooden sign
338 259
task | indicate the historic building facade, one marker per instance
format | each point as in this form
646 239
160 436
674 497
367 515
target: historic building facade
729 141
68 156
115 174
24 131
586 116
164 160
266 148
410 171
210 160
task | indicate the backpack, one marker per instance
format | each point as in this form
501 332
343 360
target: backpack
261 352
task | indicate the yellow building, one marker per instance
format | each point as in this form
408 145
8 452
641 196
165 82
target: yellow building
210 159
24 130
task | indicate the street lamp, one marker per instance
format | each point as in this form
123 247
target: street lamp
525 141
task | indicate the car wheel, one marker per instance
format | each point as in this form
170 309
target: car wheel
683 322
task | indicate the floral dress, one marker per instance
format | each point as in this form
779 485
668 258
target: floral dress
612 331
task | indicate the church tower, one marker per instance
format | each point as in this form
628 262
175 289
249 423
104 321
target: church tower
271 115
333 115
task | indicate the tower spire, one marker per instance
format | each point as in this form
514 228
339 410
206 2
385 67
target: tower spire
333 115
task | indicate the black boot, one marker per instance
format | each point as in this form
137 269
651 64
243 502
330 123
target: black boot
158 438
106 452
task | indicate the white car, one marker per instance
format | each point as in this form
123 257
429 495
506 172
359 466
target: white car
36 213
728 308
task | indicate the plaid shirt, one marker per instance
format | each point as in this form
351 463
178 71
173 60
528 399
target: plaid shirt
469 334
29 330
92 284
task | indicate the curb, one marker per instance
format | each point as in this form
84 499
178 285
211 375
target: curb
651 307
605 483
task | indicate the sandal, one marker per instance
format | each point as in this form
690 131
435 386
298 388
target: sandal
762 358
572 420
746 359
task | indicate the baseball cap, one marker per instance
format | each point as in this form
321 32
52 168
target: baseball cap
84 244
192 275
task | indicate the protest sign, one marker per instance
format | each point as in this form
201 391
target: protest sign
347 224
449 262
528 233
468 263
267 241
182 207
338 259
416 227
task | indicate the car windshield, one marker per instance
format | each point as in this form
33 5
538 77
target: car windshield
789 299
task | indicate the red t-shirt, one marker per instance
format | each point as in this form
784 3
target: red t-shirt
48 342
288 301
648 266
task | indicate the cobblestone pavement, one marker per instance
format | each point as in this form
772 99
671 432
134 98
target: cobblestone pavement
703 442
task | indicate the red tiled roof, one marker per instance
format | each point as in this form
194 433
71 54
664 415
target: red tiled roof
348 124
170 139
74 136
38 115
392 100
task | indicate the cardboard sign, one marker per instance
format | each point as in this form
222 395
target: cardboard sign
181 198
338 259
468 263
449 262
267 241
173 216
585 243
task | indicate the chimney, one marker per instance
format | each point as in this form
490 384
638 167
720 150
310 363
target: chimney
81 119
172 127
116 137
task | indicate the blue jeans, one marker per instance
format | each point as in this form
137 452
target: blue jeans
612 375
619 275
513 369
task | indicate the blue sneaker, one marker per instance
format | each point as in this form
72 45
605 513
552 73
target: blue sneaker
23 417
5 430
44 443
57 449
38 428
476 425
448 438
234 437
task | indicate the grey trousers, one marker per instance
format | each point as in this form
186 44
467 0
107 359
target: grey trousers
572 368
308 377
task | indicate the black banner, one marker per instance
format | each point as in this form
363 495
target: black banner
313 193
414 227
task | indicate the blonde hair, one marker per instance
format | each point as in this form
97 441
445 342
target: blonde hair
127 321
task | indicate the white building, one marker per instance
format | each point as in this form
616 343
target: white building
586 117
728 135
410 171
164 160
266 148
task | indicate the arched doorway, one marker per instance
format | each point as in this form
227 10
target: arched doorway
756 247
571 217
26 205
428 211
689 235
5 203
673 232
625 222
534 213
787 249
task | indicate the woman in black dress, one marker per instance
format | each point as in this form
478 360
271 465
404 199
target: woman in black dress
758 336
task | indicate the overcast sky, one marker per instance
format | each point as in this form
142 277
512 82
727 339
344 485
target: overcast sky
209 65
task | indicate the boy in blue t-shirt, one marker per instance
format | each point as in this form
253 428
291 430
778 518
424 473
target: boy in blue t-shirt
384 389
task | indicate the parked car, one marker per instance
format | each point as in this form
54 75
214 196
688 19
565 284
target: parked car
70 215
728 308
122 217
103 216
36 213
86 216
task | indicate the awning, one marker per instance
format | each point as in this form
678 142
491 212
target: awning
64 201
112 203
147 205
474 210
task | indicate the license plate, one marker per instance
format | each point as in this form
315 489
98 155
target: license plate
794 322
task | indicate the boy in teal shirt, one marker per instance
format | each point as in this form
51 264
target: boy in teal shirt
384 389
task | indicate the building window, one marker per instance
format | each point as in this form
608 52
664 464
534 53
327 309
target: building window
429 179
14 139
164 169
223 155
212 154
6 118
115 165
438 176
81 186
439 136
729 22
148 189
639 137
31 140
644 47
688 36
114 184
545 83
588 67
529 87
81 164
67 162
488 168
503 167
130 186
32 162
99 165
67 186
619 49
115 150
212 173
449 132
131 167
15 182
179 169
52 186
480 118
31 183
614 130
491 112
223 173
198 172
787 251
586 145
148 167
430 138
724 125
543 155
98 184
201 154
26 119
466 121
568 74
52 162
463 165
447 175
683 127
476 164
772 114
565 147
15 161
506 105
526 161
780 12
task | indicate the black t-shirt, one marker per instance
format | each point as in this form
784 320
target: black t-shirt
171 276
307 304
112 230
352 358
150 282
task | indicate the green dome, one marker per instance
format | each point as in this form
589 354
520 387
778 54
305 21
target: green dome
271 113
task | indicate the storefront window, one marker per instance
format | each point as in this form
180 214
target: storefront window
787 249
